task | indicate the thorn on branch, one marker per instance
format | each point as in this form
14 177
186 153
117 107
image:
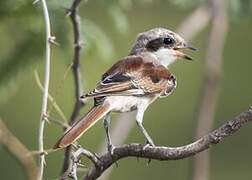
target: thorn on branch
44 153
45 118
35 2
52 40
68 11
78 45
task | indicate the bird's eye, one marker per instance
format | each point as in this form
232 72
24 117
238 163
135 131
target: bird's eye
168 41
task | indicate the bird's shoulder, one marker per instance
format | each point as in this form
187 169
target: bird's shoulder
138 65
126 64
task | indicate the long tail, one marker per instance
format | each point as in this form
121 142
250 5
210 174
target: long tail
81 126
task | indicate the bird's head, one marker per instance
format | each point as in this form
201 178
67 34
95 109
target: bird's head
162 43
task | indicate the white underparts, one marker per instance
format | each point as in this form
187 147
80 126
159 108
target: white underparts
126 103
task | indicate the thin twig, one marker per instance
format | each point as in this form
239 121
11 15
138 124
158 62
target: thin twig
18 149
104 161
188 29
51 99
46 89
55 121
53 102
75 19
211 82
76 161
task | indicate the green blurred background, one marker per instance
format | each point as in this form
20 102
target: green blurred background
109 28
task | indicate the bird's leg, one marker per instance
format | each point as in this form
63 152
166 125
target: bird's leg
139 121
146 135
106 123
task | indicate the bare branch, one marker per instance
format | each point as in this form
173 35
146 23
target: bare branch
51 99
211 82
166 153
75 157
18 149
75 19
46 89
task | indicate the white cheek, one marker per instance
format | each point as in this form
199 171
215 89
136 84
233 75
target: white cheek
165 56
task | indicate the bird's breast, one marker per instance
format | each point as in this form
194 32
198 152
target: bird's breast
126 103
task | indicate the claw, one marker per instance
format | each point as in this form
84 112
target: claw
151 143
148 144
97 156
111 148
149 161
116 164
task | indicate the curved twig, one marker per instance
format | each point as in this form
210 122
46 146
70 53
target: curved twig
18 149
51 99
49 39
167 153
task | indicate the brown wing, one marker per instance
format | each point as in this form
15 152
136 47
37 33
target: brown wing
155 80
134 75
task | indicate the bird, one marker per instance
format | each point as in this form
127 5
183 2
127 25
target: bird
132 83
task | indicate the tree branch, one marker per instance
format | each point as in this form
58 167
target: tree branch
49 39
19 151
104 161
75 19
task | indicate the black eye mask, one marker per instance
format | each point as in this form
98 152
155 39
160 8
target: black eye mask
155 44
168 41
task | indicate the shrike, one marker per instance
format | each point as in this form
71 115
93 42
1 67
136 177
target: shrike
133 83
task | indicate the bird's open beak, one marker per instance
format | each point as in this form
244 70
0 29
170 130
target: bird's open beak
181 54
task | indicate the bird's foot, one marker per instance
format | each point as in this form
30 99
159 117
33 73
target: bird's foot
148 144
111 148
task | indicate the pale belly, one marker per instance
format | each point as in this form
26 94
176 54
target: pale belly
127 103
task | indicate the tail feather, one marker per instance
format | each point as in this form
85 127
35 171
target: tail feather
81 126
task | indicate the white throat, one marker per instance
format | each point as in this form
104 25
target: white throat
165 56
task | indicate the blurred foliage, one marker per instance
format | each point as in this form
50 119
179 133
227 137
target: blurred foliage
24 54
240 9
108 28
186 3
237 8
119 19
96 41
